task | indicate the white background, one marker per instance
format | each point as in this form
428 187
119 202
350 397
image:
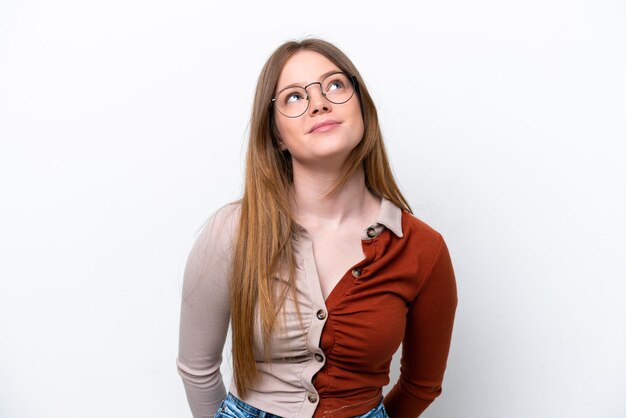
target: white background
123 126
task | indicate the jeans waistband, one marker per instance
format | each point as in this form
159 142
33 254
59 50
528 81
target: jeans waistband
376 412
248 408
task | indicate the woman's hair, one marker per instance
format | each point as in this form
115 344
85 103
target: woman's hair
263 243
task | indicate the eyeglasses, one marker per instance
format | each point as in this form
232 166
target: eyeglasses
293 102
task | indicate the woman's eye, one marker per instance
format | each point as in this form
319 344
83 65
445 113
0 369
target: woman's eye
293 97
337 84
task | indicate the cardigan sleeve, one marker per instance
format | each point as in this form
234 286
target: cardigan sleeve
426 341
205 314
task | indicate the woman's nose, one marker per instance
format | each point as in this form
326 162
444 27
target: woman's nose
317 101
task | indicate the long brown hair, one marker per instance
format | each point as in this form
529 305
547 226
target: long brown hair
266 228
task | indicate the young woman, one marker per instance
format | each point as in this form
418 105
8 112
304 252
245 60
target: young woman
321 267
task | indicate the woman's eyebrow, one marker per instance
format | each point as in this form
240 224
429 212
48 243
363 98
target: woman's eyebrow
326 74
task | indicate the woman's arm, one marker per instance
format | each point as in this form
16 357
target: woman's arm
205 313
426 341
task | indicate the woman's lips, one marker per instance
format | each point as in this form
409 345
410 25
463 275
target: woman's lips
324 126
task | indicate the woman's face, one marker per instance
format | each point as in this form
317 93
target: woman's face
308 142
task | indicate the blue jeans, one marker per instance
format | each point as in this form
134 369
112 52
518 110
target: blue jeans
234 407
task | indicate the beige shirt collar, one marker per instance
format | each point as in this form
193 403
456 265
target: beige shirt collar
391 216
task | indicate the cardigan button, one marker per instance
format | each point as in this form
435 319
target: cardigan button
321 315
319 357
371 232
356 272
312 397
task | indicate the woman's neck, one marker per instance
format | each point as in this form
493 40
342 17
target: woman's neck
312 206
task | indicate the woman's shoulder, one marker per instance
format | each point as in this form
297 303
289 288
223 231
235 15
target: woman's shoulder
424 242
220 228
420 231
226 214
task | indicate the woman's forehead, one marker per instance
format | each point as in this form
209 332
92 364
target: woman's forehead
304 67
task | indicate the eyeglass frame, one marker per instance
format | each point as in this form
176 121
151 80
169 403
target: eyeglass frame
352 78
